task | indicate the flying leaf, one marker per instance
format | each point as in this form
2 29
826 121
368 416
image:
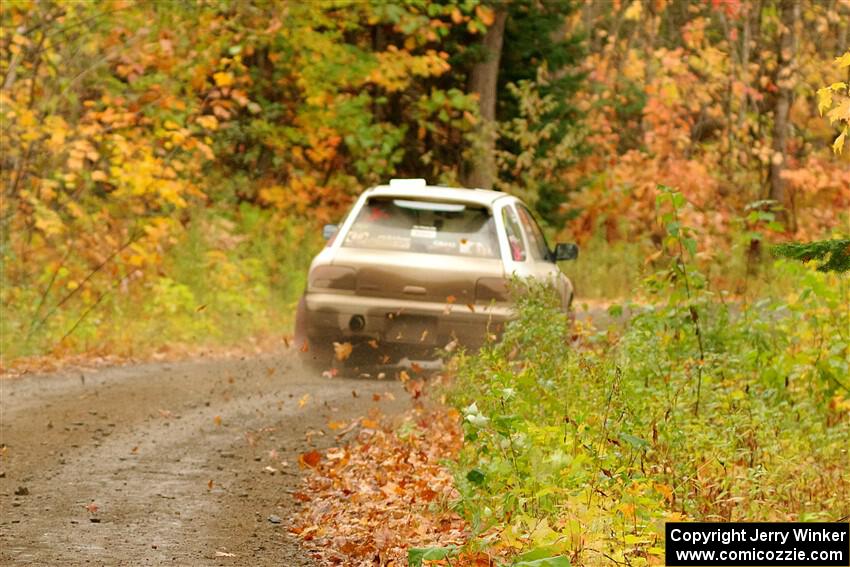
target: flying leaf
310 459
342 351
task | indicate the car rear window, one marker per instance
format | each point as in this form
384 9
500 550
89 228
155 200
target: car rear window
429 227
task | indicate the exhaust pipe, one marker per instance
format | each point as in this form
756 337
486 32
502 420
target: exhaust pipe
357 323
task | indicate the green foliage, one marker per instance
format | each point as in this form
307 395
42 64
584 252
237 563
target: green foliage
538 81
541 150
416 555
232 276
536 36
590 449
558 561
829 255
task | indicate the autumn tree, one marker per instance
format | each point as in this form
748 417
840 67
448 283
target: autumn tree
483 82
525 37
785 80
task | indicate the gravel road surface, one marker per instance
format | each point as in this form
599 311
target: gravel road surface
165 464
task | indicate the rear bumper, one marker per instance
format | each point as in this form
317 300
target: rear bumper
401 321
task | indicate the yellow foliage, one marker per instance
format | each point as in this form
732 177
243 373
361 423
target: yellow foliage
223 79
208 122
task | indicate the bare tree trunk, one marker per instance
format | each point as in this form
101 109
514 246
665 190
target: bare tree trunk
483 81
785 83
745 67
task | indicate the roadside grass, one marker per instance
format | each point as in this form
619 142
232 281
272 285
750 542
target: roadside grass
605 270
585 453
228 277
614 271
699 408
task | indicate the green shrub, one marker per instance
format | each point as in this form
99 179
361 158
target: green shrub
703 408
227 277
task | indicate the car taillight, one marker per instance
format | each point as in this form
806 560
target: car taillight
333 277
489 289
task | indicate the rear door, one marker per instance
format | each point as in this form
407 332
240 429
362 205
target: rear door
524 249
543 266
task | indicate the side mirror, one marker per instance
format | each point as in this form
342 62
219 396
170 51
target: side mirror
329 230
566 251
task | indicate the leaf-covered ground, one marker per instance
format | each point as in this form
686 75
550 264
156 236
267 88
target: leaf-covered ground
369 501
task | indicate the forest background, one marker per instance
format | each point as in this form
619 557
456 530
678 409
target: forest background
167 166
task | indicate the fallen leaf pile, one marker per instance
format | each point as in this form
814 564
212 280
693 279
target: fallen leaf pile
366 503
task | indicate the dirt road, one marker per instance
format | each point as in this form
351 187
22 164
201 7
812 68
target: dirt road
174 457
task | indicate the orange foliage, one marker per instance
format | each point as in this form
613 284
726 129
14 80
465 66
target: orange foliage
693 117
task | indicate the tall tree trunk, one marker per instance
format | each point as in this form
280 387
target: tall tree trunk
483 81
785 83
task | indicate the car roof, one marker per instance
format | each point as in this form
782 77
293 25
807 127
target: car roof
438 193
